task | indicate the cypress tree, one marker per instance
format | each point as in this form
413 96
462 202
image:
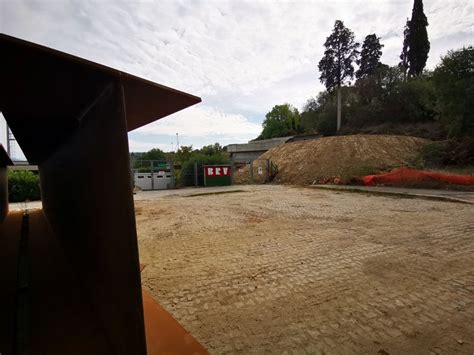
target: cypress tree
403 65
418 43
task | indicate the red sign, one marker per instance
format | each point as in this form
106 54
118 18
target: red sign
217 171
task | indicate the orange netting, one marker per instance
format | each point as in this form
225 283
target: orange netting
406 175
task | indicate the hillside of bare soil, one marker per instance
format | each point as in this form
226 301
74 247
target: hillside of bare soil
341 158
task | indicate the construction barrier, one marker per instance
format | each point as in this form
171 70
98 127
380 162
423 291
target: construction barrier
406 175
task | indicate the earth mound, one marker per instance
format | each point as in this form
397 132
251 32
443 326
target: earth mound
341 158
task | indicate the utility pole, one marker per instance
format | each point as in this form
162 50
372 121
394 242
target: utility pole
177 142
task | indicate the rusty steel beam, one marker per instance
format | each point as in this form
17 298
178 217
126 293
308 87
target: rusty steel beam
71 118
44 93
4 162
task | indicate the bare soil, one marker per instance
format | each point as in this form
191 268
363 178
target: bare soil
342 157
278 269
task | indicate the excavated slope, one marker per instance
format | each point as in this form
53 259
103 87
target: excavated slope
342 157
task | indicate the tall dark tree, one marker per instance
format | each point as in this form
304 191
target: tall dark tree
336 66
370 55
418 43
403 65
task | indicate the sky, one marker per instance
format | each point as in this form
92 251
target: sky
240 57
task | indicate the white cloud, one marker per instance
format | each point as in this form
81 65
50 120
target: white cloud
203 121
138 146
240 57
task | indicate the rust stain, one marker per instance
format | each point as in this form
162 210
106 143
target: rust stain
164 335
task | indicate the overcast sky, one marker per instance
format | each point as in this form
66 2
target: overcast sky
241 58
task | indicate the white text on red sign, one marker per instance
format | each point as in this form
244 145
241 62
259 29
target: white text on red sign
217 171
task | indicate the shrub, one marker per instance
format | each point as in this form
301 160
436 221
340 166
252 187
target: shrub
23 185
187 171
327 122
451 152
454 84
433 155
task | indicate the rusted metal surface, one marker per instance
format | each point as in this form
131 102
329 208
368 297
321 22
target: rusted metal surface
10 230
62 316
4 158
97 229
61 308
71 117
164 335
45 94
4 162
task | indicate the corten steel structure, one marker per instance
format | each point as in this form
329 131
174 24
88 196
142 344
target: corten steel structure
4 162
70 277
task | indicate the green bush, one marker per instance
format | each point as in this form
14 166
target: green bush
433 155
454 84
327 120
454 152
23 185
187 171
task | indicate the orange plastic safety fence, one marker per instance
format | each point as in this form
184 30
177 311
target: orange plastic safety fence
406 175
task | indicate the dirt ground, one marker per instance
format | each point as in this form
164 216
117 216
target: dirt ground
278 269
342 157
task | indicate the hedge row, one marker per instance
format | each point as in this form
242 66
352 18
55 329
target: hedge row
23 185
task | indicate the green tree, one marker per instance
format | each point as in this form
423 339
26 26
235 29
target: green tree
207 155
282 120
370 55
312 104
336 66
309 116
454 84
23 185
140 161
315 113
418 43
211 149
318 115
384 99
403 65
154 154
184 153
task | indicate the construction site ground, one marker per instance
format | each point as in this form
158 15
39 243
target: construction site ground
280 269
432 194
